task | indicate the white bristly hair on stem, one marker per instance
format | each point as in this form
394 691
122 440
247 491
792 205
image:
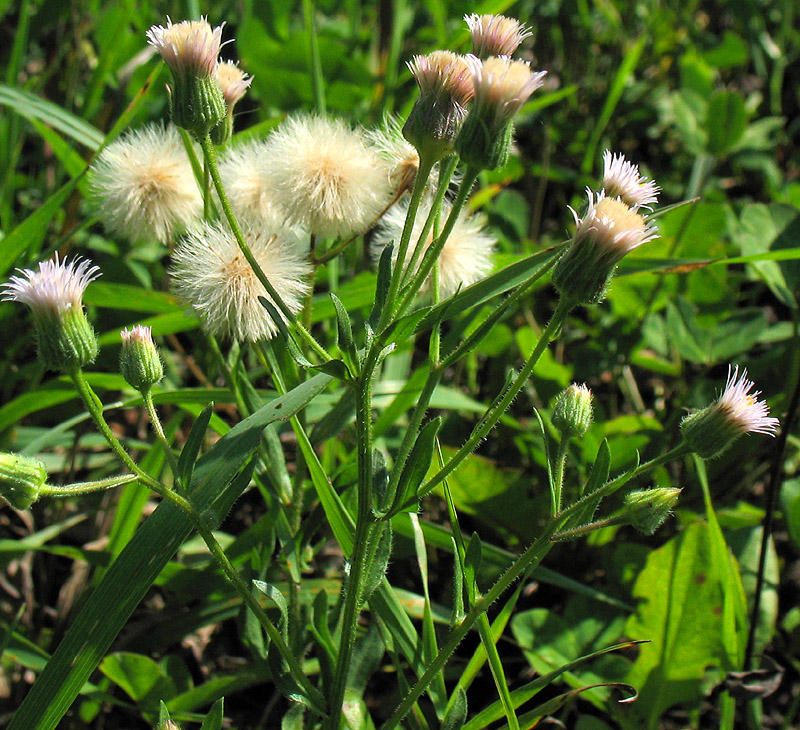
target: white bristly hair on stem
143 186
210 272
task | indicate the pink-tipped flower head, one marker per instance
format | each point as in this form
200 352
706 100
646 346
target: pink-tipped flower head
621 179
495 35
737 411
445 84
139 361
605 234
502 86
54 293
233 83
191 49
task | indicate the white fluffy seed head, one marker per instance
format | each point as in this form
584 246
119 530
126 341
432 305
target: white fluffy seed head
248 184
401 157
465 258
326 177
143 186
210 273
621 179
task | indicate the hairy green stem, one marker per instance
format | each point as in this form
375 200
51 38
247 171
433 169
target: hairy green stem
558 474
70 490
446 170
432 252
503 401
525 562
364 523
420 181
147 396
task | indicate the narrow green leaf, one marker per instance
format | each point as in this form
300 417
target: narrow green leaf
346 342
618 84
29 234
482 291
276 597
376 571
32 106
215 716
193 444
417 464
457 714
472 561
382 287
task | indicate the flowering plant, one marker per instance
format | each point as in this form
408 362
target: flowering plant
336 329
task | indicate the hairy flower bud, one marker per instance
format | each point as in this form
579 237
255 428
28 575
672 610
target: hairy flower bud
502 86
233 83
445 85
495 35
608 231
139 361
573 413
54 294
737 411
647 509
191 49
21 479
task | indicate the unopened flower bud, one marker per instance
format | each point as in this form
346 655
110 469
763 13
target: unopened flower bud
608 231
646 510
191 49
502 86
737 411
21 479
54 294
573 413
445 85
139 361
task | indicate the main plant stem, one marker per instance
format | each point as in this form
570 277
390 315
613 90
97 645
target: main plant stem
364 523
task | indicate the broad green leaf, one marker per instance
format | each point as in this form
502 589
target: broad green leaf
680 612
726 122
141 678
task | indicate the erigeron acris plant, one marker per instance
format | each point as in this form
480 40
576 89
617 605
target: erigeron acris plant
307 191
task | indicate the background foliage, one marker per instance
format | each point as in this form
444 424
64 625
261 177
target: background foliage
703 95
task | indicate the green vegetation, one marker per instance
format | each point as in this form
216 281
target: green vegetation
389 513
